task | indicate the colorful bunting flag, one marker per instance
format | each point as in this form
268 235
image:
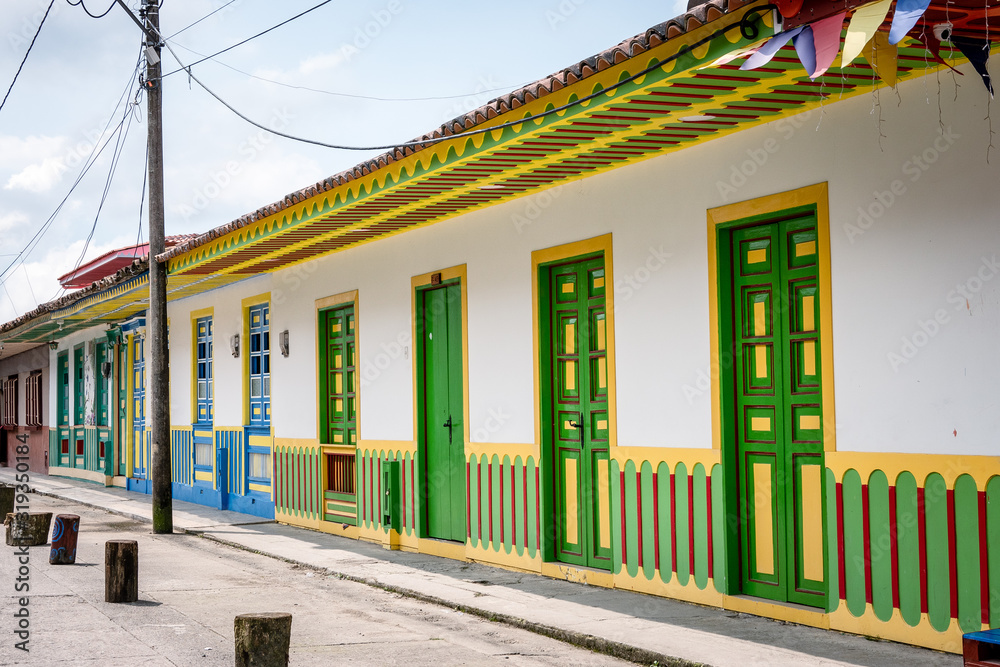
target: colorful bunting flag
805 49
826 42
764 54
862 28
907 13
883 56
978 52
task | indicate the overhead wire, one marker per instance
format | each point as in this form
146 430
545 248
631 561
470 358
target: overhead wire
348 95
23 60
87 11
115 157
191 25
252 37
95 153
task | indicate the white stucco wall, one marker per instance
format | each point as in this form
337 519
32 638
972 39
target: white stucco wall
890 274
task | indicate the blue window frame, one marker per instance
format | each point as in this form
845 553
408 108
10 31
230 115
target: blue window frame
203 366
260 365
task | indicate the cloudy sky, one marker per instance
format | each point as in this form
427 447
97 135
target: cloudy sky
353 73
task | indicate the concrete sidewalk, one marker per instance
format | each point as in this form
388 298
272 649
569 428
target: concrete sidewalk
638 627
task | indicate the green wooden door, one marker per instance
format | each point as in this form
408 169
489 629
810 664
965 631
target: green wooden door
338 411
578 387
122 434
778 412
443 439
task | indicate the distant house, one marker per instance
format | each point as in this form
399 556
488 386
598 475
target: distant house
678 319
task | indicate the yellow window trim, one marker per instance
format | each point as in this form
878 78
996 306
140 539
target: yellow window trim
195 316
342 299
245 304
424 280
592 246
817 195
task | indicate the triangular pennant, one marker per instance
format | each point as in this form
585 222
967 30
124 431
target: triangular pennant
771 47
864 23
907 13
805 49
978 52
882 56
734 55
933 46
826 40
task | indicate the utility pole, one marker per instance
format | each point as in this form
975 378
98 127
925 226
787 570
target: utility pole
156 326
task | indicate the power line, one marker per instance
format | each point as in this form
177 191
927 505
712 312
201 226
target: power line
79 3
470 133
348 95
200 20
95 152
16 74
264 32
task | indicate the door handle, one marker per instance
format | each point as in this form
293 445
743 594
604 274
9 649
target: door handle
576 425
448 425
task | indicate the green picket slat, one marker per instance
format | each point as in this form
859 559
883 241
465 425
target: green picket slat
533 500
484 500
881 545
519 507
648 530
854 543
497 504
663 502
700 511
718 529
993 546
616 518
967 550
938 561
680 499
832 543
507 505
631 521
473 463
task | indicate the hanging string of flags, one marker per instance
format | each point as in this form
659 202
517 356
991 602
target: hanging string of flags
817 43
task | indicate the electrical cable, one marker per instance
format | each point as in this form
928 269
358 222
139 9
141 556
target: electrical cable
95 152
200 20
87 11
348 95
142 196
748 30
229 48
18 73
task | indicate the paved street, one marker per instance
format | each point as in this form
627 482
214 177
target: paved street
190 588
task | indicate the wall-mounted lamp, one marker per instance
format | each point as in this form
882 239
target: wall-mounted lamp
234 344
283 342
53 345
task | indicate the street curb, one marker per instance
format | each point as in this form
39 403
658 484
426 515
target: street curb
608 647
590 642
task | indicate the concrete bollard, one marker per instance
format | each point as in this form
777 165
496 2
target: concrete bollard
121 571
262 639
28 529
64 533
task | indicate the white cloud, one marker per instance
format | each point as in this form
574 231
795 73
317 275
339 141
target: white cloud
40 161
38 177
11 220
